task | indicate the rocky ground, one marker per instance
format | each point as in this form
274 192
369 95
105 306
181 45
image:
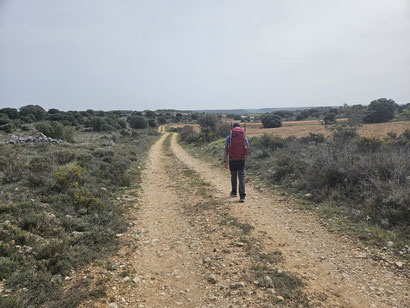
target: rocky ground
190 245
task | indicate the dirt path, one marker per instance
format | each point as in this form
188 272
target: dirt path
190 245
336 269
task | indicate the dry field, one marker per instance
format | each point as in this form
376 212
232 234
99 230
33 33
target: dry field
195 126
303 128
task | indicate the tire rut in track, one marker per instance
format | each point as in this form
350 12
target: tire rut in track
338 272
182 249
190 245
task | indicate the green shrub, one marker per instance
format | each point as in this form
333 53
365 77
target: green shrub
344 133
380 110
63 157
34 112
189 135
13 167
313 138
271 120
268 141
7 128
58 211
208 122
11 113
137 122
56 130
330 118
7 267
84 199
152 123
368 143
67 177
369 175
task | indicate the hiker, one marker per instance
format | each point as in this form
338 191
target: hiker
236 145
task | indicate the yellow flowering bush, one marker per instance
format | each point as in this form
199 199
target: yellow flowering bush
369 143
66 178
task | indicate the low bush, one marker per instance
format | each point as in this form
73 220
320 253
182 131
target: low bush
137 122
56 130
7 128
212 128
367 176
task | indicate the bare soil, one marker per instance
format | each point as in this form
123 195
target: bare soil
191 245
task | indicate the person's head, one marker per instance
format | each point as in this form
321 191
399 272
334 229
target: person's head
236 125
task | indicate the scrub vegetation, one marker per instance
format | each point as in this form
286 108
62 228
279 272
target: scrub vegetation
59 202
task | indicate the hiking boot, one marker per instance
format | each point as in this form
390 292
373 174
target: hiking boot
233 194
242 199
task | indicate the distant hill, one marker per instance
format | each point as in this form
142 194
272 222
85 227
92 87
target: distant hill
247 111
243 111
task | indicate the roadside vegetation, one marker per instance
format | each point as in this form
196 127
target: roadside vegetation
59 205
359 182
59 124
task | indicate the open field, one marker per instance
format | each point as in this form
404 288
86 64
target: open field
195 126
303 128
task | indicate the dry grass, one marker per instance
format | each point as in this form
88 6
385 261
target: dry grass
303 128
195 126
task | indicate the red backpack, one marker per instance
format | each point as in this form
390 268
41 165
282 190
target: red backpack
237 144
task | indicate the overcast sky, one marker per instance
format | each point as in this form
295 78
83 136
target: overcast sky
202 54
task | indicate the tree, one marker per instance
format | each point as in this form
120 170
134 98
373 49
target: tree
53 111
304 114
208 121
35 112
137 122
4 119
406 111
152 123
330 118
122 123
283 113
96 124
270 121
11 112
178 116
380 110
162 120
149 114
355 115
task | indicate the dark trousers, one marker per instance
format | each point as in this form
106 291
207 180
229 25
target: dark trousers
237 168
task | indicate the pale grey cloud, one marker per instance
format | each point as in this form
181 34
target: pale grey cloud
128 54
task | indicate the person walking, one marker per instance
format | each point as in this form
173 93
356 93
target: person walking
236 147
